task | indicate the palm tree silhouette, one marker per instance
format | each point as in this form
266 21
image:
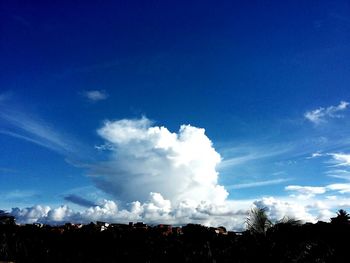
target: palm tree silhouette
258 221
342 217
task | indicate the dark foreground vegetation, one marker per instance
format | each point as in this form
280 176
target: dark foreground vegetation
285 241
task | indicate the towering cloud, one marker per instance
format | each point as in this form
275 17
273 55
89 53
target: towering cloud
144 158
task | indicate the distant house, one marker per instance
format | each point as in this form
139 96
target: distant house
120 226
70 226
102 225
164 229
177 230
140 225
39 225
222 230
218 230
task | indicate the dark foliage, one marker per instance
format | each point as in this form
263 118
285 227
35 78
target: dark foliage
342 217
6 218
286 241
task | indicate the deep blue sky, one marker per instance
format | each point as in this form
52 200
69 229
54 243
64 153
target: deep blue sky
246 72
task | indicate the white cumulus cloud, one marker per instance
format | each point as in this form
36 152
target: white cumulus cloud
31 214
277 209
321 114
145 158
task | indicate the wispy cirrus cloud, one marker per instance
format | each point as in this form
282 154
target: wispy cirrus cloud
95 95
249 154
22 126
339 173
321 114
257 184
29 139
337 159
27 127
339 164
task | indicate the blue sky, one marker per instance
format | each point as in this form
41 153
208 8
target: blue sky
268 81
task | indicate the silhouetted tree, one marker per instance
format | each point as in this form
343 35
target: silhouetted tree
289 221
342 217
257 221
6 218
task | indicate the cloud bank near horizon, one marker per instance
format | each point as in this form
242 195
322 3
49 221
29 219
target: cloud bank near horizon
157 210
158 176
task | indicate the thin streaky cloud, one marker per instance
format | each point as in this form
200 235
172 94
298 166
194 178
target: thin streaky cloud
257 184
31 140
339 173
255 155
339 176
37 131
25 127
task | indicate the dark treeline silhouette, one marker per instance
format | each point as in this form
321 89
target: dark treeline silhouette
285 241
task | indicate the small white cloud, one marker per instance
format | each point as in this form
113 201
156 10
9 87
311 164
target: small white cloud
306 192
322 114
315 155
95 95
